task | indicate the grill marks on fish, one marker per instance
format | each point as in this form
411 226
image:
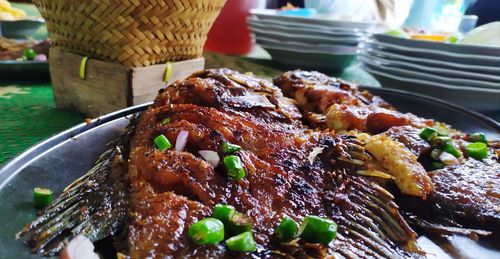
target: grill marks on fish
171 215
410 138
272 151
467 194
343 105
157 195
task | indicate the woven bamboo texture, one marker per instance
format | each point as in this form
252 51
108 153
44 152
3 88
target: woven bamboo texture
134 33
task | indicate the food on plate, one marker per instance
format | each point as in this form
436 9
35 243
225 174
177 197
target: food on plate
398 32
42 197
79 247
225 164
23 50
436 146
9 13
486 34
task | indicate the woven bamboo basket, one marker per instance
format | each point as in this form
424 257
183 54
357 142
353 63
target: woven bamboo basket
134 33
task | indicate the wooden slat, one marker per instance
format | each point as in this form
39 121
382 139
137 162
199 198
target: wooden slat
146 81
109 86
104 90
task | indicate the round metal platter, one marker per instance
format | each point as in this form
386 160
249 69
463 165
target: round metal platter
57 161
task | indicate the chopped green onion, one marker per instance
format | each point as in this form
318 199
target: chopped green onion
29 54
439 141
477 150
437 165
234 167
228 148
223 212
287 229
208 231
449 148
165 121
243 242
162 143
478 137
239 223
428 133
318 230
42 197
443 133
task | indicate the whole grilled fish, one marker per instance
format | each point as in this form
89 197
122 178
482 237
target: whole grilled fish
465 194
147 199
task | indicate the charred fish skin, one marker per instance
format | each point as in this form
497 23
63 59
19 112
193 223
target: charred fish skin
291 171
95 205
280 180
464 195
343 104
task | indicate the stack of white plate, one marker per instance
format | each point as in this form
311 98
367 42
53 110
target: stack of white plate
317 42
463 74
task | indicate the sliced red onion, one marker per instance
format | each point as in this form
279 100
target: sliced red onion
41 57
448 159
181 141
210 156
315 152
80 247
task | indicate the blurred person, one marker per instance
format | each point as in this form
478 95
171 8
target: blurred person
391 13
486 10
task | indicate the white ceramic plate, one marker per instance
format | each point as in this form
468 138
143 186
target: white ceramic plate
472 98
305 28
451 83
459 77
466 59
441 46
303 47
271 14
20 29
433 63
309 39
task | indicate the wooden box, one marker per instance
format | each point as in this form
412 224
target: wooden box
109 86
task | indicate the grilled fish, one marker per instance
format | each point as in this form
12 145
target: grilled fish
465 194
147 199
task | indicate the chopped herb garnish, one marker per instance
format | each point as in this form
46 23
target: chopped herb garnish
162 143
165 121
234 167
437 165
287 229
449 148
318 230
477 150
428 133
42 197
239 223
208 231
223 212
478 137
228 148
440 141
243 242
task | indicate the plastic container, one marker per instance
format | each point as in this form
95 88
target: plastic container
230 34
